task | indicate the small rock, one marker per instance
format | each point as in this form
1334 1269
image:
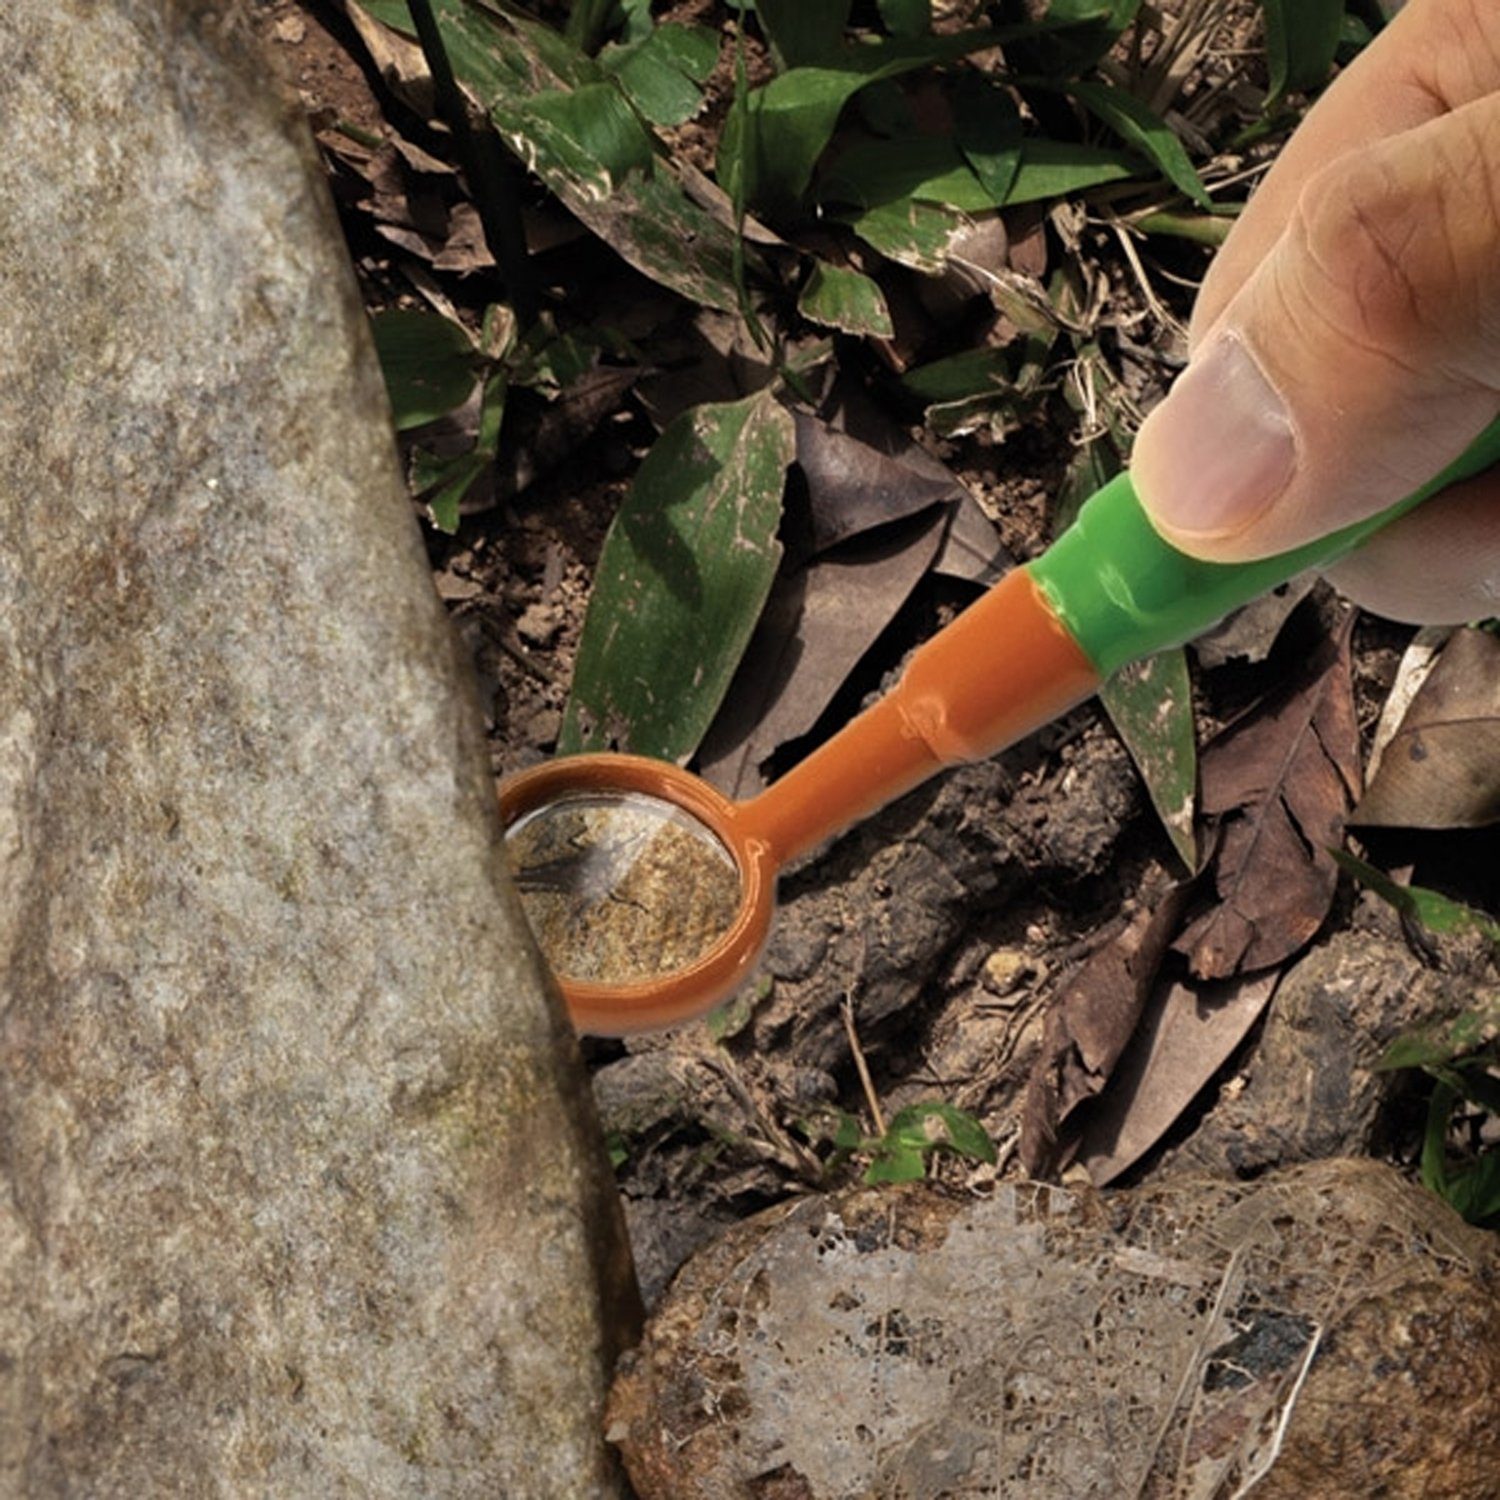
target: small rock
1004 969
538 624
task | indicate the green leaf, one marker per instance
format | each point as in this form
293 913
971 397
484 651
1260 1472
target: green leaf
897 1162
1433 1046
661 74
910 232
1436 912
931 169
1057 169
801 32
588 132
446 481
919 1130
959 377
1136 123
907 17
1301 39
1472 1191
987 131
838 297
1150 703
571 125
1081 32
769 149
429 364
685 571
392 13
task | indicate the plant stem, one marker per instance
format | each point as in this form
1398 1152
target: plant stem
492 175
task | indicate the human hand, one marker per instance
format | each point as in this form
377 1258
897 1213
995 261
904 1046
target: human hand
1345 345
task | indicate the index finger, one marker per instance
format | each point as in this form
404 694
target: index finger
1436 56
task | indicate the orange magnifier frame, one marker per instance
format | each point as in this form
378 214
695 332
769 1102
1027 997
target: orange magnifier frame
1003 668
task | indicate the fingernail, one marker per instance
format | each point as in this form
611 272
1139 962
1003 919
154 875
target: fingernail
1219 450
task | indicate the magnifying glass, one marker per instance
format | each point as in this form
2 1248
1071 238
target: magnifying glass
652 895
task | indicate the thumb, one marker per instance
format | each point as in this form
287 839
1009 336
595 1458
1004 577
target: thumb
1359 358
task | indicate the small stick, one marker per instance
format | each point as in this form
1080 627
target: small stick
846 1009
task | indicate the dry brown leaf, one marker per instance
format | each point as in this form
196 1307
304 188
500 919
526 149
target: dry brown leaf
1441 768
1279 782
1089 1025
875 518
821 620
1186 1035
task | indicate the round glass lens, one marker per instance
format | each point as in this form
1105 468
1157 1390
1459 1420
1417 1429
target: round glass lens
621 888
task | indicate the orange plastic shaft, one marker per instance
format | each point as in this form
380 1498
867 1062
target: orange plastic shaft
1002 669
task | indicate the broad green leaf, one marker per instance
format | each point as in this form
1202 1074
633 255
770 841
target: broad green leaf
662 73
685 571
907 17
958 377
392 13
838 297
910 232
919 1130
446 481
897 1161
957 1129
1473 1191
801 32
1301 39
693 50
931 169
586 145
987 131
1477 1026
428 363
1150 703
1138 125
1056 169
768 149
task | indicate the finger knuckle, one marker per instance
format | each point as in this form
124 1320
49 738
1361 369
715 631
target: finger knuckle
1366 235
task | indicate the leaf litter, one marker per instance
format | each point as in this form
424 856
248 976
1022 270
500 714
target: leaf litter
1042 852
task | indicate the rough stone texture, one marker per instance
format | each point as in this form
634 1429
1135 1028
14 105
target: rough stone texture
1310 1090
1329 1331
299 1191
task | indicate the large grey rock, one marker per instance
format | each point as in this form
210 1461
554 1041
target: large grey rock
299 1193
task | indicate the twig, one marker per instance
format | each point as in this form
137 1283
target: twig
1283 1422
846 1010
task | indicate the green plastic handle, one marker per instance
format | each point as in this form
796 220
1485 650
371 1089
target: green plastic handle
1123 592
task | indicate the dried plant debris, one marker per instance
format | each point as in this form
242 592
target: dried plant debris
1441 767
1188 1031
1278 784
1089 1024
1329 1331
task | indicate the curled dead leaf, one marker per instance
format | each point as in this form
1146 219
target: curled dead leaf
1278 783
